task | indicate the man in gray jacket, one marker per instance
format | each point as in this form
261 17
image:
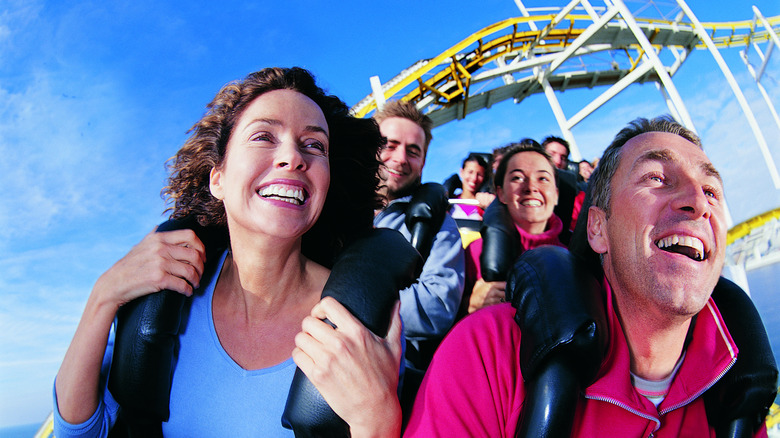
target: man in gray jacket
428 307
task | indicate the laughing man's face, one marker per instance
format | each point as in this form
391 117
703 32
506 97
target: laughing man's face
664 240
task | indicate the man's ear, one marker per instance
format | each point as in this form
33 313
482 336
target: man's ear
597 230
215 183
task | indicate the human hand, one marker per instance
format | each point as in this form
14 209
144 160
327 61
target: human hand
171 260
486 293
485 199
355 371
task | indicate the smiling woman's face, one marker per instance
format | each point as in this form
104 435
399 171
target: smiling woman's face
529 190
276 172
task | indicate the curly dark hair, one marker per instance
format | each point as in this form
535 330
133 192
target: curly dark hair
353 155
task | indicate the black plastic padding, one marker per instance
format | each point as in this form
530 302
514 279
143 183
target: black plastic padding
559 307
742 396
147 330
451 184
500 242
550 400
366 279
561 315
425 214
568 189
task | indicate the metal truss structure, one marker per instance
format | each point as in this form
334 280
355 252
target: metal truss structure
550 50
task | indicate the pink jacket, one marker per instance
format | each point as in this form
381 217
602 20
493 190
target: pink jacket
474 386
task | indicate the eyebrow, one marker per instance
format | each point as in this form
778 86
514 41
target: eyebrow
307 128
667 156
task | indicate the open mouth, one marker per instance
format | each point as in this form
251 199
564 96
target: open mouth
688 246
531 203
289 194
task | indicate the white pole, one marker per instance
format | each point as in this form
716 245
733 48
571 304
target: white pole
702 33
379 95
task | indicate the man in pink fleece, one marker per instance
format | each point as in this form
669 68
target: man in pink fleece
658 222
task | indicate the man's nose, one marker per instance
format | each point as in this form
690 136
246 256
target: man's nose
691 199
399 154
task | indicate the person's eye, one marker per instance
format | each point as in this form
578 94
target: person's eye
711 192
316 145
414 153
657 177
262 137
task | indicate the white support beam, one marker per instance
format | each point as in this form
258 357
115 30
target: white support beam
379 95
582 39
616 88
555 106
704 36
765 60
666 80
525 13
761 88
589 9
668 101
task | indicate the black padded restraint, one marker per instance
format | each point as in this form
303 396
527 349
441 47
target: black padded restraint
738 403
425 214
561 315
365 278
147 331
500 242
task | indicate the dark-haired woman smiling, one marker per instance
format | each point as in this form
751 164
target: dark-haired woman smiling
292 177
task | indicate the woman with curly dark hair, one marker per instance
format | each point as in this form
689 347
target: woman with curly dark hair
293 177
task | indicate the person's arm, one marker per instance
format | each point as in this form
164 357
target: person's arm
429 306
355 371
170 260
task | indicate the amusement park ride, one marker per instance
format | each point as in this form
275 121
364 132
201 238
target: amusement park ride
552 49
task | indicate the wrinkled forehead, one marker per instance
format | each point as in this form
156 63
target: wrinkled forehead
664 148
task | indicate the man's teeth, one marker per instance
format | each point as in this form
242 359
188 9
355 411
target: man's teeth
684 241
293 195
531 203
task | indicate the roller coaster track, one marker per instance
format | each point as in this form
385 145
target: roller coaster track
551 50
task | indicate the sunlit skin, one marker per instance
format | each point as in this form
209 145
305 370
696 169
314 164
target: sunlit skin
558 153
529 191
403 157
280 142
664 186
472 175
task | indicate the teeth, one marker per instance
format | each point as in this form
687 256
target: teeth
532 203
293 195
687 241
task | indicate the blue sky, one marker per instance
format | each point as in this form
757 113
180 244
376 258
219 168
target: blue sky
95 96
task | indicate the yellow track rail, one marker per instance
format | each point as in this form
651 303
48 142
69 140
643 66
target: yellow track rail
459 63
743 229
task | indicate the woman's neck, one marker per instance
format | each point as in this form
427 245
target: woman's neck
265 275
